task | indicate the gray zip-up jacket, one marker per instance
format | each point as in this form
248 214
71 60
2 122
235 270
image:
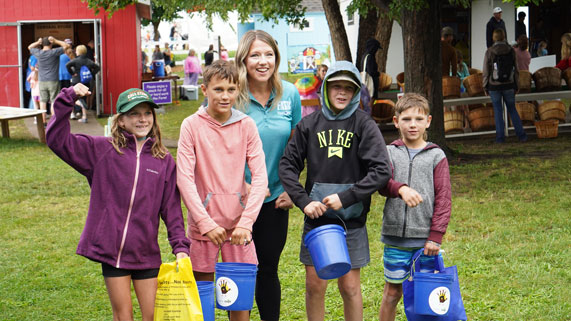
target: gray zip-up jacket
429 175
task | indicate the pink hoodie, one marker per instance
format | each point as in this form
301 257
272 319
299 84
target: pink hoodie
211 160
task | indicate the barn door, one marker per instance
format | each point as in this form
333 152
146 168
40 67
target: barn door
99 99
11 74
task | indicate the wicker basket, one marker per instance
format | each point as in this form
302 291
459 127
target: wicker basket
473 85
383 110
450 87
453 121
474 71
553 109
400 80
524 81
526 112
567 76
547 79
385 81
482 119
546 128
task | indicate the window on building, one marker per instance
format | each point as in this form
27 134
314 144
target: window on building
307 26
351 19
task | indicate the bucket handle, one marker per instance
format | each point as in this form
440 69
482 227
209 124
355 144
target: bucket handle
342 222
437 260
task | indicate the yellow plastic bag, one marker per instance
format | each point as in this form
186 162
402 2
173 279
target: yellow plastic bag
177 294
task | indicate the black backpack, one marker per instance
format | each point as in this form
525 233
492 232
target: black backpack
503 67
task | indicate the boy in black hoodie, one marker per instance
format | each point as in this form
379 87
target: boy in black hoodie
347 161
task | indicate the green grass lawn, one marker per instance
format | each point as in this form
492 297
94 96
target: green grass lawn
509 234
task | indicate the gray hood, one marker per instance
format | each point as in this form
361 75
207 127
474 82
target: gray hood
353 105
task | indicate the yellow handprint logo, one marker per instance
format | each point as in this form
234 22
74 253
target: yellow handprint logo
224 287
442 296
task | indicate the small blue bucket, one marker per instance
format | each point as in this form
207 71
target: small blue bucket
206 293
158 68
328 249
235 286
432 293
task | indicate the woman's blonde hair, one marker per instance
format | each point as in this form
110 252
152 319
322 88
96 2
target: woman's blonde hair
118 139
81 50
246 42
566 45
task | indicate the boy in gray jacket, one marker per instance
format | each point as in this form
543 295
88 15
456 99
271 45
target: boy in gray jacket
418 206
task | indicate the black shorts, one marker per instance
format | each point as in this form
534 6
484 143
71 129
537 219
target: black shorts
113 272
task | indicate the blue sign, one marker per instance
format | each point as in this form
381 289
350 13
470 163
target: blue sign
160 91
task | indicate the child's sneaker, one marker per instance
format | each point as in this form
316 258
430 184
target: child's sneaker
72 116
82 120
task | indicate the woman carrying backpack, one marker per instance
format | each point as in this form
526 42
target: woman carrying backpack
83 70
500 75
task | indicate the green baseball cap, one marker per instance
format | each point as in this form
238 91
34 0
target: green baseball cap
131 98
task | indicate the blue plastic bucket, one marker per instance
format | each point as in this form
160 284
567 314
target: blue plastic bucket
432 293
158 68
328 249
235 285
206 293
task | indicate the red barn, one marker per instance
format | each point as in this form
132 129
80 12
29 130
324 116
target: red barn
117 44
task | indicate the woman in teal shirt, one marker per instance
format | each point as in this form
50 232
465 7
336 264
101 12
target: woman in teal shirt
275 106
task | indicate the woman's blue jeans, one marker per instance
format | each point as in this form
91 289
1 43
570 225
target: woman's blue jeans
509 98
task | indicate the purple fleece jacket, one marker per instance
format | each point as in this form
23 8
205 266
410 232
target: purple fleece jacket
129 193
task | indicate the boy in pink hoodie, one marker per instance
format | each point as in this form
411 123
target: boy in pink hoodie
215 145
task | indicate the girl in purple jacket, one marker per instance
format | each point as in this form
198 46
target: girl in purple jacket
133 184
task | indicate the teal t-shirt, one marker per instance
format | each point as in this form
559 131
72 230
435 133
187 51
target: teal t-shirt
274 126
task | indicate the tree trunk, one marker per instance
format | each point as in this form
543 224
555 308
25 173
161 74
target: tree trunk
156 30
367 26
422 62
383 35
337 30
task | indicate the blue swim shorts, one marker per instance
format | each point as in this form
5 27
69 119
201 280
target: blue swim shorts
398 260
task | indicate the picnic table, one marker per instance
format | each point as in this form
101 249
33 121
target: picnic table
11 113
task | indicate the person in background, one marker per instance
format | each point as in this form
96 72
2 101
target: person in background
191 68
565 61
495 22
64 58
35 89
449 59
500 77
157 54
167 54
522 54
520 28
462 68
537 36
144 61
275 106
132 178
542 49
209 55
372 45
90 50
419 203
320 74
221 207
223 53
31 66
74 68
48 65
